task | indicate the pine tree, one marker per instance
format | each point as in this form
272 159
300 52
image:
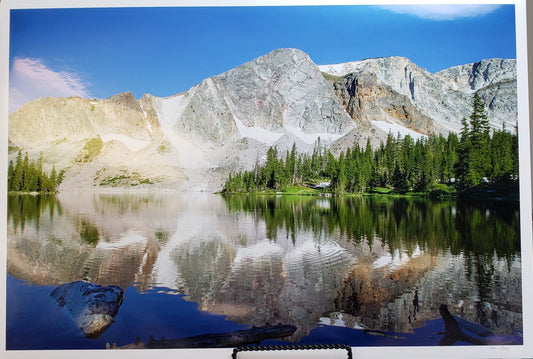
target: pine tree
463 167
367 162
338 179
501 156
479 138
515 153
53 177
331 165
407 161
34 184
399 182
479 123
28 176
292 165
272 169
39 167
424 165
449 159
26 173
10 176
390 158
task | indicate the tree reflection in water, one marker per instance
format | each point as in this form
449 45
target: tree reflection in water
372 262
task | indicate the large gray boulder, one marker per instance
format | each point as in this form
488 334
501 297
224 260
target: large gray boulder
91 306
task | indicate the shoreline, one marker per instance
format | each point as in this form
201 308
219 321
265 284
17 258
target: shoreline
478 194
449 193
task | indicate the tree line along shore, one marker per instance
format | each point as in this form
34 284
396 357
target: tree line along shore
476 160
24 175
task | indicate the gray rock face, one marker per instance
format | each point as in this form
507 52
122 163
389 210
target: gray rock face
475 76
51 120
126 99
284 88
207 117
444 97
91 306
272 96
367 100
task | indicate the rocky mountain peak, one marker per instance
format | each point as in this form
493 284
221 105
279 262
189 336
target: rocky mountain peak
283 55
283 89
126 99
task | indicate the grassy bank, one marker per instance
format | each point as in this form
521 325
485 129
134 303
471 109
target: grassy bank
440 191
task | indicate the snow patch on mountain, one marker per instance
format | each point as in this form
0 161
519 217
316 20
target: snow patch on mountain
257 133
189 155
341 69
131 144
170 109
311 138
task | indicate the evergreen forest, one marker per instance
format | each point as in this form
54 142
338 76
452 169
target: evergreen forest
476 157
28 176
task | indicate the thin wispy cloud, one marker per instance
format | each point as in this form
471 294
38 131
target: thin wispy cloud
442 12
31 79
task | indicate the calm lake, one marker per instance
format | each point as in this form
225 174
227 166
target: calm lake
353 270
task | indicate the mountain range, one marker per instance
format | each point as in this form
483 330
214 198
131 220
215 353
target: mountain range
192 141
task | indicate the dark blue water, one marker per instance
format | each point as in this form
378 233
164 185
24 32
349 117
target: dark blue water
35 321
145 314
295 260
428 335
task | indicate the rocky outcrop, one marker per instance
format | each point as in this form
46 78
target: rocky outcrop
126 100
52 121
444 97
366 100
91 306
478 75
278 95
284 89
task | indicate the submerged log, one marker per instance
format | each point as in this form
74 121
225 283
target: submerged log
461 330
216 340
91 306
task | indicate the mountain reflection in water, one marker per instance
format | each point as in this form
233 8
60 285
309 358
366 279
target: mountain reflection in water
380 264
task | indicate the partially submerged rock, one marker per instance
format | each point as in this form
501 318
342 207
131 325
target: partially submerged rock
462 330
91 306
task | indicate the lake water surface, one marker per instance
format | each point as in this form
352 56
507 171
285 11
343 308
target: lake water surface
360 271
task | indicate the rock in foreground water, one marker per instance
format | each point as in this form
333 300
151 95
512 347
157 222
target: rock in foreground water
91 306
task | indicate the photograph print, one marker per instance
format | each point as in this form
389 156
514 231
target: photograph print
215 176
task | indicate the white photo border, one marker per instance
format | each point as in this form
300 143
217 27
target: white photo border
518 351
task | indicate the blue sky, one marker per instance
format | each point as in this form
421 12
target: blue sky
164 51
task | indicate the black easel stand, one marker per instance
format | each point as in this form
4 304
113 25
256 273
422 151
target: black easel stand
291 347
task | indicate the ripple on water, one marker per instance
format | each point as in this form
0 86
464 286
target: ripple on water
318 255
